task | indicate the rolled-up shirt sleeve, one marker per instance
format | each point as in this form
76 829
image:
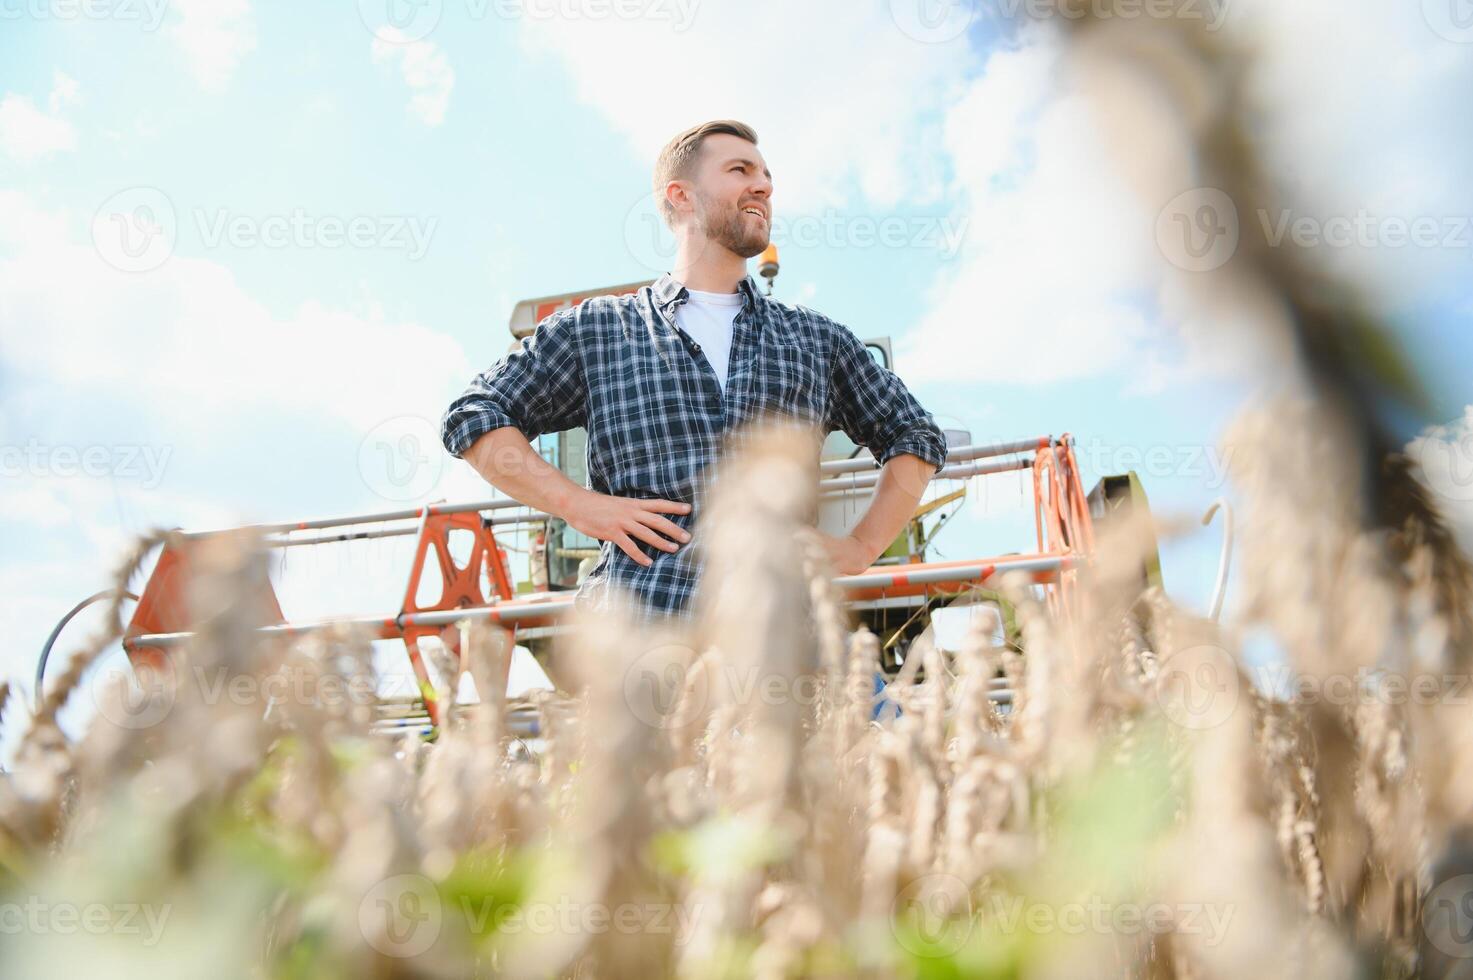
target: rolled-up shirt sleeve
537 388
875 409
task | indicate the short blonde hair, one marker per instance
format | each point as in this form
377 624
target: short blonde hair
678 159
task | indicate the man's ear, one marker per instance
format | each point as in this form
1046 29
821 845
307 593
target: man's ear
677 193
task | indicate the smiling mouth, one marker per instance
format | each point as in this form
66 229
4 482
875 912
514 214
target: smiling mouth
757 211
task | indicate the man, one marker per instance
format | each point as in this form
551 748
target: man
661 378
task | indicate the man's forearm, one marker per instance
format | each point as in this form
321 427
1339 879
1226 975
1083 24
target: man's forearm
507 461
902 481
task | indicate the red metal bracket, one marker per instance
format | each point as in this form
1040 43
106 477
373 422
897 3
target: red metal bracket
460 588
163 606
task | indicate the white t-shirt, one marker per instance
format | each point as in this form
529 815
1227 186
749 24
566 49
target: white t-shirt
708 317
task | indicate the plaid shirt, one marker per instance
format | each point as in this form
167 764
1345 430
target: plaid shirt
656 417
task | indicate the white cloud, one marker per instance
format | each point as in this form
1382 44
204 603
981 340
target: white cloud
1061 276
65 91
1054 277
166 325
838 94
1445 456
1361 112
425 68
214 36
28 133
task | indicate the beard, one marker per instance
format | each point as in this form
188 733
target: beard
728 227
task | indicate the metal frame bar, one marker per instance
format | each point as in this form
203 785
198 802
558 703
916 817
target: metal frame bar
949 470
916 579
960 454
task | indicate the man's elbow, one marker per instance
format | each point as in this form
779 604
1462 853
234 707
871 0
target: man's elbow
466 422
925 445
909 472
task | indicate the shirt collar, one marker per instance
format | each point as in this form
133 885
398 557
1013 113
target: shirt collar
669 293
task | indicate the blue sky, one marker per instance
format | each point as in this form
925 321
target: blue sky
498 151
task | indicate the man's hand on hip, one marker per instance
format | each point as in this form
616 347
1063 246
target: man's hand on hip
849 555
622 519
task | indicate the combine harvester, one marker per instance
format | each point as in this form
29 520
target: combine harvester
461 548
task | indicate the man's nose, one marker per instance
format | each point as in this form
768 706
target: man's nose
763 187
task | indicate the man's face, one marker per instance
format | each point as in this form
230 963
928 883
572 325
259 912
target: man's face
732 194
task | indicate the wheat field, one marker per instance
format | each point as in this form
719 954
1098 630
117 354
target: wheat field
717 798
